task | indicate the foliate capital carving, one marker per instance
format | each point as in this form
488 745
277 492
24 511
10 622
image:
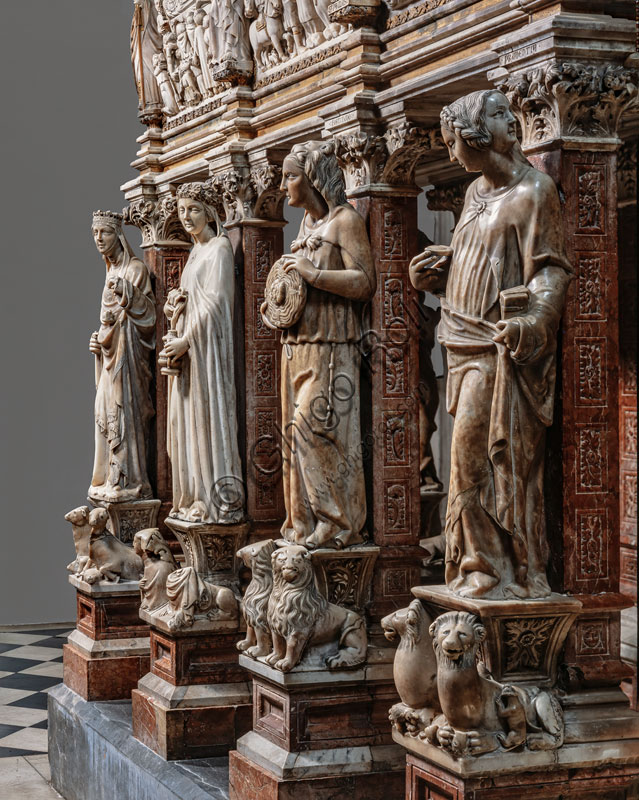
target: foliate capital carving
570 100
627 173
406 145
157 220
249 193
448 197
362 157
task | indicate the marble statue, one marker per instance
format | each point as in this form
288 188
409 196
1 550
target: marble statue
123 347
111 560
202 410
504 277
299 617
79 519
191 597
452 701
159 563
146 42
320 356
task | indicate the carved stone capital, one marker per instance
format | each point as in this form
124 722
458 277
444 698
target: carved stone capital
362 157
568 100
249 193
157 220
406 145
627 173
448 197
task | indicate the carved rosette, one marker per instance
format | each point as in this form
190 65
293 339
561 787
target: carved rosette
570 100
157 220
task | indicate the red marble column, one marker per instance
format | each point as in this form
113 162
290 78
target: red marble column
262 245
393 366
582 492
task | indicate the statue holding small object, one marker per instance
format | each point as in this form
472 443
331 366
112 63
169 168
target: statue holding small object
503 281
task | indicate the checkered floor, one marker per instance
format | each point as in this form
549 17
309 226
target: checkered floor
30 664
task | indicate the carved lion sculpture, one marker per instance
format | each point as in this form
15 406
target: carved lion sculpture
257 557
113 560
191 596
414 668
159 563
299 616
79 519
479 713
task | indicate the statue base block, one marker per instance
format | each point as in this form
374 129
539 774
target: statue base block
195 702
108 652
318 733
127 518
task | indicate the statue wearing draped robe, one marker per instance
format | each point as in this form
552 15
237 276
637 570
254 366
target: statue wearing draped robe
505 277
123 347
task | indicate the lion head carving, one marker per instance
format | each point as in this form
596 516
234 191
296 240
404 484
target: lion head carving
257 557
457 636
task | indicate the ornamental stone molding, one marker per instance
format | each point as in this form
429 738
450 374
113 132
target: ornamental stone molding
248 193
448 197
389 159
570 100
157 220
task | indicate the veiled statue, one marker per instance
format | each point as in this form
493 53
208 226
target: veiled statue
322 454
123 347
504 279
202 414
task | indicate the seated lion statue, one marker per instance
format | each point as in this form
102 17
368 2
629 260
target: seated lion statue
257 557
300 617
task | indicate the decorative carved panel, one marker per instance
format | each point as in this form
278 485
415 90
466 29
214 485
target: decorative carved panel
590 287
591 458
591 201
591 373
592 545
592 637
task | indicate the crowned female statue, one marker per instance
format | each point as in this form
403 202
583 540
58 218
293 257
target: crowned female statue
505 277
202 415
123 348
322 454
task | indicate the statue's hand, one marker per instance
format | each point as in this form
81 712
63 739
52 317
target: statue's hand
306 268
175 348
94 345
427 271
116 285
509 333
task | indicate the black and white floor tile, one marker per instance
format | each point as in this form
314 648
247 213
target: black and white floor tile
30 664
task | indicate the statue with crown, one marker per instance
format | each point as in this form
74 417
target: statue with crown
123 347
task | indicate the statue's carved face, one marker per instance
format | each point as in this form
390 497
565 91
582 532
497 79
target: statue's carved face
296 185
192 215
500 122
105 238
455 638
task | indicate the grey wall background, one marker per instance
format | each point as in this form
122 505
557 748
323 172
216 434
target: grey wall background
68 135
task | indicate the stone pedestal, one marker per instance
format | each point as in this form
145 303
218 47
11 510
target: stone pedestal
130 517
108 652
318 734
195 701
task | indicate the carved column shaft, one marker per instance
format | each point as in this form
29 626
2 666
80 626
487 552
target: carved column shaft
262 245
394 373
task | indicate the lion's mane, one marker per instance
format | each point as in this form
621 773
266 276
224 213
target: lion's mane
453 619
294 607
259 590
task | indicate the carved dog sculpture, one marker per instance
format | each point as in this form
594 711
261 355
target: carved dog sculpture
257 557
190 595
414 668
112 559
298 615
79 519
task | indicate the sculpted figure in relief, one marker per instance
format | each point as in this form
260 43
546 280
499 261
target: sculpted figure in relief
146 42
451 701
159 563
123 347
504 277
202 411
322 473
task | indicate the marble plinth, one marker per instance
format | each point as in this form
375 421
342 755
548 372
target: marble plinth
195 702
108 652
94 756
318 733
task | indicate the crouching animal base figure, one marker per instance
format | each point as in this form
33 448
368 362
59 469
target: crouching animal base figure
479 714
